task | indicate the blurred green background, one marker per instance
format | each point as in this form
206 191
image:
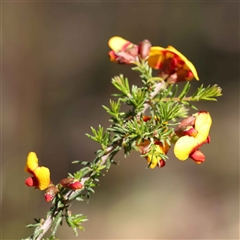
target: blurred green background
56 75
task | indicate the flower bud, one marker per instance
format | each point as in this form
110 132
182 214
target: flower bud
75 185
65 182
71 183
146 118
161 163
50 193
144 49
184 124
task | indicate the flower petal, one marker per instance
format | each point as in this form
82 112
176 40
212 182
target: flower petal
202 118
43 176
32 162
153 160
184 146
31 182
188 64
117 43
156 57
202 125
112 56
197 156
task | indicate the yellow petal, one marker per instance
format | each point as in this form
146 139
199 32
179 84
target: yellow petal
203 133
192 69
155 50
203 124
184 146
32 162
117 43
43 176
153 159
202 118
156 57
189 64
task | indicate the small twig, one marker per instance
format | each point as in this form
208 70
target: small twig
158 87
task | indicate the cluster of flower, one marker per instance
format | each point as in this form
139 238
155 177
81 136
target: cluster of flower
173 67
41 178
192 133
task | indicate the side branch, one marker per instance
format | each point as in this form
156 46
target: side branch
49 220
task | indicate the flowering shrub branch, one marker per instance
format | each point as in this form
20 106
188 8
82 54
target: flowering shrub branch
157 118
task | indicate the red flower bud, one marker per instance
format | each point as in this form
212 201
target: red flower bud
65 182
48 197
161 163
144 49
50 193
146 118
75 185
71 183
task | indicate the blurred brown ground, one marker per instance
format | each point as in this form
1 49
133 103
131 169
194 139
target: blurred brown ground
55 77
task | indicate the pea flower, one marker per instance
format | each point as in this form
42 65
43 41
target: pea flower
153 158
126 52
172 64
194 133
41 175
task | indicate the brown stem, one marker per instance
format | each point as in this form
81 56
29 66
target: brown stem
158 87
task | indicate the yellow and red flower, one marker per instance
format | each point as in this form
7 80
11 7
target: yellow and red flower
41 175
195 134
172 63
153 158
124 51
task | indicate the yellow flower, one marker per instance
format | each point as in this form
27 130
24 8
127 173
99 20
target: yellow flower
41 175
153 158
188 145
170 61
123 51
